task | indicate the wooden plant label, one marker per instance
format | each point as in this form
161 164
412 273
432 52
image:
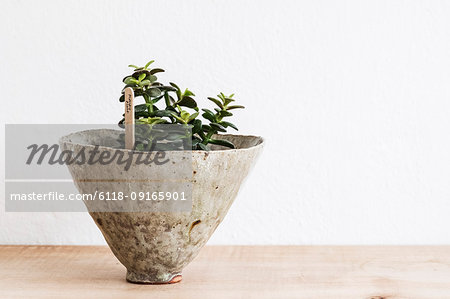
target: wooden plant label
129 118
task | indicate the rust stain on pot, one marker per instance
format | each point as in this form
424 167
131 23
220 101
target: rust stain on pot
196 222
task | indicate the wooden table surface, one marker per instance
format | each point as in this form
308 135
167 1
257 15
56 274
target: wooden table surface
234 272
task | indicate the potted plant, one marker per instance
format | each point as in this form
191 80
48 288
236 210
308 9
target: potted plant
155 245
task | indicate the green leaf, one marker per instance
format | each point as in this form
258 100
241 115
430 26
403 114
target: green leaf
130 80
209 115
227 101
222 142
139 108
228 124
148 64
156 99
218 127
195 141
178 90
133 66
174 85
175 136
166 99
164 113
184 115
138 114
154 71
153 92
187 102
203 147
152 78
137 73
206 128
166 88
192 117
138 92
235 107
122 98
158 121
216 101
197 126
224 113
145 82
188 93
175 114
142 77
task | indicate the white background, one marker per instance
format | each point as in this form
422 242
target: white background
353 98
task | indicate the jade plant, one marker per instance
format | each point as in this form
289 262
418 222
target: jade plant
169 104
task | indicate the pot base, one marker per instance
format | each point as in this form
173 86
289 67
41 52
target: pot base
141 278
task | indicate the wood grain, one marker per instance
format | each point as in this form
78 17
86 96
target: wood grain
234 272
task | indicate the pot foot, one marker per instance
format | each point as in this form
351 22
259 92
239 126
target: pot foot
142 278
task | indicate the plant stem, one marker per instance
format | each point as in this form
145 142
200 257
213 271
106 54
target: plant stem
149 102
208 137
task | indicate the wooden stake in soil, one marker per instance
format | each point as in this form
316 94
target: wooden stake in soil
129 118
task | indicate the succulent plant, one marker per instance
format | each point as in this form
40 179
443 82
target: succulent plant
145 84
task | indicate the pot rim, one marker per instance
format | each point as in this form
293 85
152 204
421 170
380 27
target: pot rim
64 140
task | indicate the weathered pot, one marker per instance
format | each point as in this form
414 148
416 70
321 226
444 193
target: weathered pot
156 246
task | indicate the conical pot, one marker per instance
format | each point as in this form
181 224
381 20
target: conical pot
156 246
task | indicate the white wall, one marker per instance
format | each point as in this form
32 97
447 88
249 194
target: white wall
353 98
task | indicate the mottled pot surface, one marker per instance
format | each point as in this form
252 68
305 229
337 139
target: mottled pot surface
155 247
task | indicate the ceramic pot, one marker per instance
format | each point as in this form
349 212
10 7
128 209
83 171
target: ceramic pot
156 246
